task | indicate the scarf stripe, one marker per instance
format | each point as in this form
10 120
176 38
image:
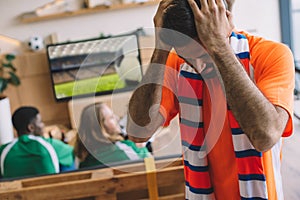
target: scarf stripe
253 189
191 75
191 123
194 154
190 146
194 196
247 165
247 153
194 137
252 181
241 142
237 131
188 84
199 190
195 102
248 177
196 184
192 157
190 111
195 168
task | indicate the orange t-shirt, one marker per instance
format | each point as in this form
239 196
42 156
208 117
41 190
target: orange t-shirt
274 74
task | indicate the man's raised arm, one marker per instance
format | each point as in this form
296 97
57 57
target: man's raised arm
144 117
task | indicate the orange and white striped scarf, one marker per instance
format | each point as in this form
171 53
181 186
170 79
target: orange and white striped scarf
251 177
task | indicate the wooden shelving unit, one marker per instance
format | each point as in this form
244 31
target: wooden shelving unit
31 17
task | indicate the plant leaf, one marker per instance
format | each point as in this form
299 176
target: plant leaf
14 79
10 57
9 65
3 84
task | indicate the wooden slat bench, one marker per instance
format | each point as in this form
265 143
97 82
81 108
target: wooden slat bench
122 182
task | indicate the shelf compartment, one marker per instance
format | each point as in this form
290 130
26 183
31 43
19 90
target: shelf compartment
31 17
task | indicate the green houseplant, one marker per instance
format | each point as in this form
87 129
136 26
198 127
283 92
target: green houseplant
7 76
7 73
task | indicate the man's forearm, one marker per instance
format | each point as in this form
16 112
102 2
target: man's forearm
261 121
143 114
258 117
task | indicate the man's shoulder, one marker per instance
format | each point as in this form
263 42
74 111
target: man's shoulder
259 42
260 49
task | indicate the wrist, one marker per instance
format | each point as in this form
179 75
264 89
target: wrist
160 56
162 46
219 47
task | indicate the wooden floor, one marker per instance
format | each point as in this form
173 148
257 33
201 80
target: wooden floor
291 162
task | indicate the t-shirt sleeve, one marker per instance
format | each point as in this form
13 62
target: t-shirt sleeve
65 152
169 103
274 75
142 152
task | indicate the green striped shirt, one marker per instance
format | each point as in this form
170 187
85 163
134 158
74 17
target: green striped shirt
31 155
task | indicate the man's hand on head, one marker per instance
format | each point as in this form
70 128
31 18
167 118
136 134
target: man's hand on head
158 22
213 22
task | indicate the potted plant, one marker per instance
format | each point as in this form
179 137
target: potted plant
7 76
7 73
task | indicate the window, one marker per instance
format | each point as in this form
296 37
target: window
290 28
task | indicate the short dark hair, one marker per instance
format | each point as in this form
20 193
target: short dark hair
22 117
178 23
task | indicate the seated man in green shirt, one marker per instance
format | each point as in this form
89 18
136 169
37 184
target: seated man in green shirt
31 153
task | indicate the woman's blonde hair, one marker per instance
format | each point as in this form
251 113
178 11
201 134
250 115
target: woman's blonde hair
92 134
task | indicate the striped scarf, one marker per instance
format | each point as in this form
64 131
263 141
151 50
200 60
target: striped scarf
251 177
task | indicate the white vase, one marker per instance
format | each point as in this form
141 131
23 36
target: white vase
6 128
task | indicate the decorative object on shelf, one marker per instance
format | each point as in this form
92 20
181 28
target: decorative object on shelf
128 1
95 3
54 7
36 43
30 17
134 1
51 39
59 6
140 1
74 5
7 76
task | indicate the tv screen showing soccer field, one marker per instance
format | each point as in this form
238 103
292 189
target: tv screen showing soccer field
95 67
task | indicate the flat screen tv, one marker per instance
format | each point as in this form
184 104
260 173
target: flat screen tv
95 67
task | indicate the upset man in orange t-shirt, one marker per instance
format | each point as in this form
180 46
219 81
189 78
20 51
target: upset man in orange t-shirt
233 92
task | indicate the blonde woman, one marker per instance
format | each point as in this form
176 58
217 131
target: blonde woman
100 140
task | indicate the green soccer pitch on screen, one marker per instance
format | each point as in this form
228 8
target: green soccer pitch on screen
95 66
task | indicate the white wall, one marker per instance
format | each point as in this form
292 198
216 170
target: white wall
79 27
261 16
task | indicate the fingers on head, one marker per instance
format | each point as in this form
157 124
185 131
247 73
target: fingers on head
195 7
